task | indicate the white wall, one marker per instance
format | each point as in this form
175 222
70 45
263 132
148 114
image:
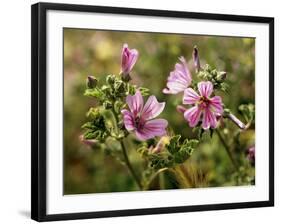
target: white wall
15 109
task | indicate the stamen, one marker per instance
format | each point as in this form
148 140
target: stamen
204 102
139 123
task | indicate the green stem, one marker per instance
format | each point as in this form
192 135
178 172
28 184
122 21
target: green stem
129 164
126 158
115 115
227 149
161 181
154 176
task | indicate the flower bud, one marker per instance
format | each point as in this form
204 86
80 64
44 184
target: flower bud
221 76
110 79
89 142
125 77
120 87
91 82
161 144
106 90
107 105
196 60
235 120
128 60
181 109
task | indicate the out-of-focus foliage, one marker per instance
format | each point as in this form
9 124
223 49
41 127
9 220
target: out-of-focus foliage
90 52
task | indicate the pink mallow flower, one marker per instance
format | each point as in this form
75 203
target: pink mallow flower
205 106
128 59
140 118
179 79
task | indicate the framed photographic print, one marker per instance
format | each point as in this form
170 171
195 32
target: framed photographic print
139 111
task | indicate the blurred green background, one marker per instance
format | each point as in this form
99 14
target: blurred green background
90 52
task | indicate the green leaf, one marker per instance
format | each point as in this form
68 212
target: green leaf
173 145
248 111
193 143
95 92
96 127
183 154
144 91
131 89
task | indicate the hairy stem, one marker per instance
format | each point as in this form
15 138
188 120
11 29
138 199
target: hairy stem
129 165
227 149
126 158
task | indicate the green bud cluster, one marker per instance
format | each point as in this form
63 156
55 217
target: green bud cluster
111 97
214 76
114 90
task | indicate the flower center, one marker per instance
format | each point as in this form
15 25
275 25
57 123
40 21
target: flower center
139 123
203 102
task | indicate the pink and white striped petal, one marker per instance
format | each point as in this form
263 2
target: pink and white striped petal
216 105
135 102
152 108
209 120
190 97
151 129
205 88
193 116
179 79
128 120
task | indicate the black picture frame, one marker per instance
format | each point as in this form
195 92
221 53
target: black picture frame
39 108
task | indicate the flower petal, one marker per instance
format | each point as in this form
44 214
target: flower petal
216 105
209 120
133 58
135 103
179 79
152 108
190 97
205 88
181 109
183 69
142 135
152 128
193 115
128 120
168 91
176 85
124 58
